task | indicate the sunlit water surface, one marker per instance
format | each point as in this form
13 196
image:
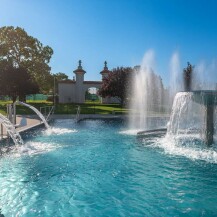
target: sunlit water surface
94 168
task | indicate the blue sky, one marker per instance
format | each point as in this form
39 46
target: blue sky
119 31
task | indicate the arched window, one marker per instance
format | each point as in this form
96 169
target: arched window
91 95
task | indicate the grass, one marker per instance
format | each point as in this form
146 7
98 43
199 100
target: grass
86 108
90 108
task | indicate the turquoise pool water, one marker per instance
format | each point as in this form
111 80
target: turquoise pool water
96 168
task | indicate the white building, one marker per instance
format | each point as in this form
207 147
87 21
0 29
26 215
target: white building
73 91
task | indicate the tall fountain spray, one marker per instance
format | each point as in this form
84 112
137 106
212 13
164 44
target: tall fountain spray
11 130
194 113
205 76
37 112
176 83
141 99
147 94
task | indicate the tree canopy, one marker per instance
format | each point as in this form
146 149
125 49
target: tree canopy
117 84
16 82
19 49
60 76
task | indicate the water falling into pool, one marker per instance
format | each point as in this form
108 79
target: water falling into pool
194 114
10 129
41 116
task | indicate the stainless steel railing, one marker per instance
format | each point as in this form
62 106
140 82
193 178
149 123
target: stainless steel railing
47 111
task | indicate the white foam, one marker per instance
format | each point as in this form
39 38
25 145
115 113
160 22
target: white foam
131 132
192 152
32 148
59 131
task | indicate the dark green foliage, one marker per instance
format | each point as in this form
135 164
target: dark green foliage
16 82
60 76
19 49
117 84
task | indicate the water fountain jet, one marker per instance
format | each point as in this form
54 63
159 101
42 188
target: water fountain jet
37 112
148 95
11 130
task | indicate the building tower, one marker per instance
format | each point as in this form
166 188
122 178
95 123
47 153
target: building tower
79 72
105 71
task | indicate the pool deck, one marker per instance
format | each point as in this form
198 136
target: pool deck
23 123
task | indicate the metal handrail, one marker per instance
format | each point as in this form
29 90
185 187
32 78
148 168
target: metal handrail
48 111
78 113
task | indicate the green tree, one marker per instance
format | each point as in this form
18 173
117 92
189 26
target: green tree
117 84
16 82
21 50
60 76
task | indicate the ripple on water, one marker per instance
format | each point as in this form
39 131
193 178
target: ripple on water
99 172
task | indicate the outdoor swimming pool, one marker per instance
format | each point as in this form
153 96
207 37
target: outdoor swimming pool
95 168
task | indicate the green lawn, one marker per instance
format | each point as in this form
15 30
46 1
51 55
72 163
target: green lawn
87 108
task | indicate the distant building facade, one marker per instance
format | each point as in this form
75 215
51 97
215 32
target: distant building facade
73 91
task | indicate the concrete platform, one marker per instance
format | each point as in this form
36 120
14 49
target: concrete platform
23 123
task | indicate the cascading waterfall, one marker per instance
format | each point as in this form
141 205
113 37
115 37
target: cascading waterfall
182 119
11 130
37 112
191 115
